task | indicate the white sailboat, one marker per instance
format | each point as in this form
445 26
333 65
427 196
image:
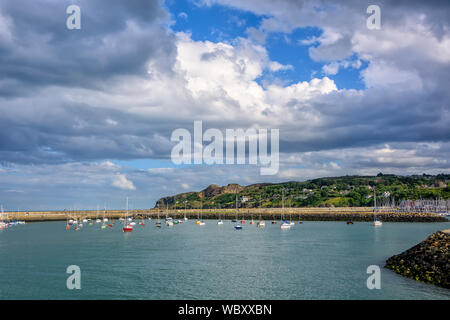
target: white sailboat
237 226
104 222
261 223
220 222
97 219
201 222
284 224
376 222
169 220
158 222
185 218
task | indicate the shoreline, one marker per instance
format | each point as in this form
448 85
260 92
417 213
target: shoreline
305 214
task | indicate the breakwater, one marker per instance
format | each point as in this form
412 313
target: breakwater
429 261
306 214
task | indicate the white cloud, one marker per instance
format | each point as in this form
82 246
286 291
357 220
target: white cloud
183 15
331 69
120 181
276 66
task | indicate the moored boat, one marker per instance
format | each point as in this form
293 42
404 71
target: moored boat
285 225
128 227
376 222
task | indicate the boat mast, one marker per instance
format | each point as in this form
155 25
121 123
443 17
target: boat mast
375 204
126 217
236 209
158 214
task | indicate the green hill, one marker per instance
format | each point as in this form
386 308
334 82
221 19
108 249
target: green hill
346 191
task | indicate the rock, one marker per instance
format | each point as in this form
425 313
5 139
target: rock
429 261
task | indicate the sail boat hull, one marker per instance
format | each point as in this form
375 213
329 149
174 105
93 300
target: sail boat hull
127 229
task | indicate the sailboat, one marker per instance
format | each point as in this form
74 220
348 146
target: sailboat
97 219
103 223
284 224
70 221
127 227
75 219
261 223
67 220
111 222
169 220
201 223
292 223
80 224
376 222
185 218
220 222
237 226
158 222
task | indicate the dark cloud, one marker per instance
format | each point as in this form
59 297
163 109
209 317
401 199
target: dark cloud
116 38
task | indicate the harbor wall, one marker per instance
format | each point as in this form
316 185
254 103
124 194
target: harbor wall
307 214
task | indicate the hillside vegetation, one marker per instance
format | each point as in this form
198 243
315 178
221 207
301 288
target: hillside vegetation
347 191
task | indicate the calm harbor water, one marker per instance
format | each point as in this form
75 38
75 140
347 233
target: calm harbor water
313 260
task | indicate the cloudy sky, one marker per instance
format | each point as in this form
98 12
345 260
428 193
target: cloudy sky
87 115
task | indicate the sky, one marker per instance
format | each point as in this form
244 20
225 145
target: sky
86 115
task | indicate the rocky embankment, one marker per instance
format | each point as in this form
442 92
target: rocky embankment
429 261
306 214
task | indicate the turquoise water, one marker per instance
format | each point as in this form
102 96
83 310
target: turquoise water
313 260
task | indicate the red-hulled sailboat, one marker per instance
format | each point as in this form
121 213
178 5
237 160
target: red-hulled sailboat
127 227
